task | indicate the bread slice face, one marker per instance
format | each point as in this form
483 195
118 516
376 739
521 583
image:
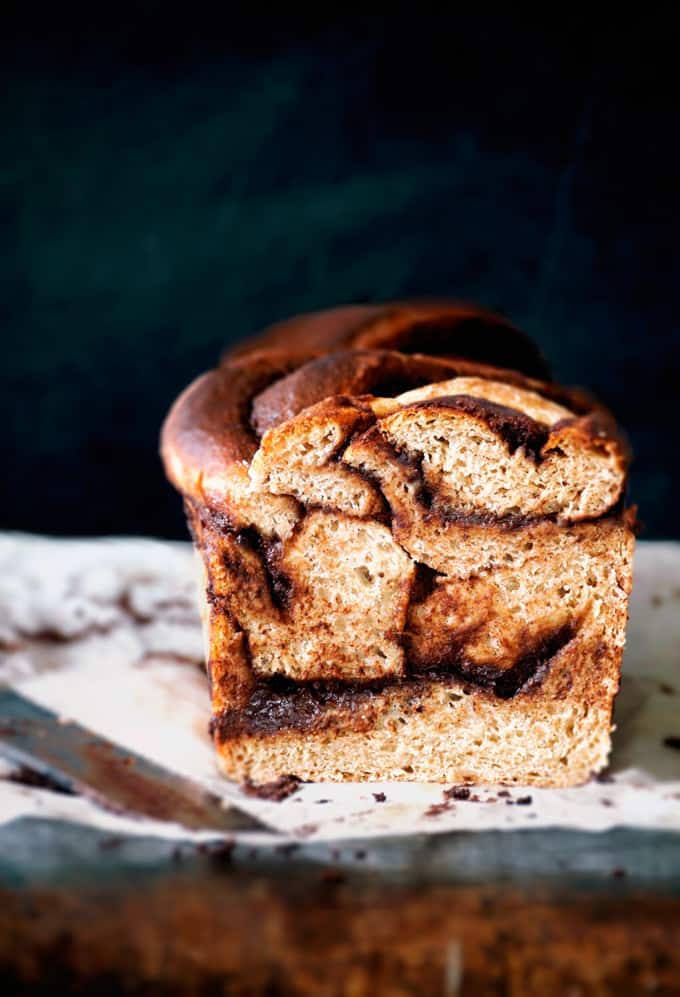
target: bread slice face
507 675
429 584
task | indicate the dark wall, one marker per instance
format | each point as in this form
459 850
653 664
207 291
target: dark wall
170 184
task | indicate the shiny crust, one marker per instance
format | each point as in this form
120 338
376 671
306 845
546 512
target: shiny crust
217 421
436 328
208 428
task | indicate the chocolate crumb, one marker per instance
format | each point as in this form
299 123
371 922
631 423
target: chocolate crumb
604 778
490 799
523 801
509 803
618 873
305 830
437 809
323 801
276 791
606 803
457 793
503 792
360 854
475 799
656 601
379 797
672 742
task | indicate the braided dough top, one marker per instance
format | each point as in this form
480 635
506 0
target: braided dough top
333 410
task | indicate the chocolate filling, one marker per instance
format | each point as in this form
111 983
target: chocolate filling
527 671
270 551
424 582
428 500
278 703
515 428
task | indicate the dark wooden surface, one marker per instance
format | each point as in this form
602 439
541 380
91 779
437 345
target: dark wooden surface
532 912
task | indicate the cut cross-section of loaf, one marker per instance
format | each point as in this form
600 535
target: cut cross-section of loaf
416 567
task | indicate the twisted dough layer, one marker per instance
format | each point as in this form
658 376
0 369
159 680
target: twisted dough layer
215 426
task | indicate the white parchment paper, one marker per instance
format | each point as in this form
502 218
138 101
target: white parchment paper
107 633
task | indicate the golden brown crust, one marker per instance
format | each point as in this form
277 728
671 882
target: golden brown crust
215 423
208 427
439 328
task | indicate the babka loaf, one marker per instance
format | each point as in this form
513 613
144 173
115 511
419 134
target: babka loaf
415 551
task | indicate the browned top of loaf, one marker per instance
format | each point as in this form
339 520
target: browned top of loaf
218 420
437 328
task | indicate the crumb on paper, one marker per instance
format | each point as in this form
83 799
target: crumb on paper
306 830
278 790
437 809
457 793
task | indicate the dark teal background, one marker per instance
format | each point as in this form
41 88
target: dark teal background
169 184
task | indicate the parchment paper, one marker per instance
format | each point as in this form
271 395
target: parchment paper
107 633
